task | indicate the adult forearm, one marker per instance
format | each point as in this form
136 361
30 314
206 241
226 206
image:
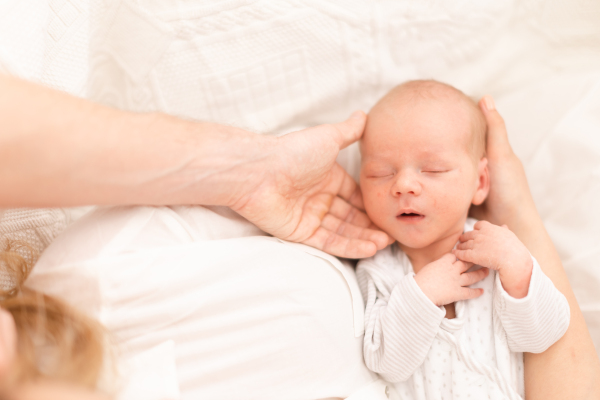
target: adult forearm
569 369
58 150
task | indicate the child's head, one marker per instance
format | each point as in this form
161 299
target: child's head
423 162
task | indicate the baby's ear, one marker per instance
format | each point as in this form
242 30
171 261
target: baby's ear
483 182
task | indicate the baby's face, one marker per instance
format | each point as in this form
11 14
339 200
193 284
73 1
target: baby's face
419 174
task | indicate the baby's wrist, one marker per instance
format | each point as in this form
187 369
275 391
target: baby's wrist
422 284
515 278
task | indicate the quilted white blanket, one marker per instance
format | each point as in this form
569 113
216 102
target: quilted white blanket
272 66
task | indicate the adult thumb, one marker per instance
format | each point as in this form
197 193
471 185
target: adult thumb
497 136
350 130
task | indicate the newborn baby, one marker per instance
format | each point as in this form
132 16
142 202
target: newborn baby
445 320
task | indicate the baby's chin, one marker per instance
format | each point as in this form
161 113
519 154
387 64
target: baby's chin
413 241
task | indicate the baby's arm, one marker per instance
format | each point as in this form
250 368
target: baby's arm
400 322
538 320
533 312
403 313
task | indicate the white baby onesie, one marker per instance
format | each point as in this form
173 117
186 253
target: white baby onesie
477 355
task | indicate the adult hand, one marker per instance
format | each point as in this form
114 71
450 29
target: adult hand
306 197
290 187
555 373
509 191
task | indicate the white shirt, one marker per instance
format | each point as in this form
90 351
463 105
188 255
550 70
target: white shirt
476 355
200 304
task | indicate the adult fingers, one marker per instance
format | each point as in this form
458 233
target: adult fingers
349 131
349 190
349 205
469 278
497 137
374 227
340 246
351 231
348 213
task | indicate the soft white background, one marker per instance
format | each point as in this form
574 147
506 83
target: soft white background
273 66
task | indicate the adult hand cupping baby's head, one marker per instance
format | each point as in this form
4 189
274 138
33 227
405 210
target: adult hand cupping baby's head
307 197
509 192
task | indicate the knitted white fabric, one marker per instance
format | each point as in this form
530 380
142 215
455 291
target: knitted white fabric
36 227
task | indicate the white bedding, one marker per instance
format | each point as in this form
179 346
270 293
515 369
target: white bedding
271 66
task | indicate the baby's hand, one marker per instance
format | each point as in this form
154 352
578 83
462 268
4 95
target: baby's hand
498 248
443 281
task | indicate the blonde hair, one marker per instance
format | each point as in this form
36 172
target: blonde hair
54 341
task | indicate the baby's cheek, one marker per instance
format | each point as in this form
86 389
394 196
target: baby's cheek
374 201
451 201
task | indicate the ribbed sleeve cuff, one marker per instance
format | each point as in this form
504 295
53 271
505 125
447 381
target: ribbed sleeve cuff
508 303
536 321
415 305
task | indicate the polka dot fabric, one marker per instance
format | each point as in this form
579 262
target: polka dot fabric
477 355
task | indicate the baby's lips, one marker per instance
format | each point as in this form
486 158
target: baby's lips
409 212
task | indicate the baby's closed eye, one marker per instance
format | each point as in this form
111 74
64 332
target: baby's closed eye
379 173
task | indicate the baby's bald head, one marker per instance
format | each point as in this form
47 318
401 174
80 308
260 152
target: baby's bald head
410 93
423 163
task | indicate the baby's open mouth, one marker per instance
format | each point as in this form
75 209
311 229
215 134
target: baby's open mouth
410 217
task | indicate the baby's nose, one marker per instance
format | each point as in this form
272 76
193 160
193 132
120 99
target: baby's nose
406 183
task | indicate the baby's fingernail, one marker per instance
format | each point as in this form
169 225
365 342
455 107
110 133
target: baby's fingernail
489 103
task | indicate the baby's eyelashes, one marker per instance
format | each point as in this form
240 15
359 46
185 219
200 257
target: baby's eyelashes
379 174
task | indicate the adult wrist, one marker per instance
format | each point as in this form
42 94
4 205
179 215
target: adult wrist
203 162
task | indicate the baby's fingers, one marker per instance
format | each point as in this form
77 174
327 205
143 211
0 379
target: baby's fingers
468 236
469 244
470 293
477 255
469 278
462 266
465 255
